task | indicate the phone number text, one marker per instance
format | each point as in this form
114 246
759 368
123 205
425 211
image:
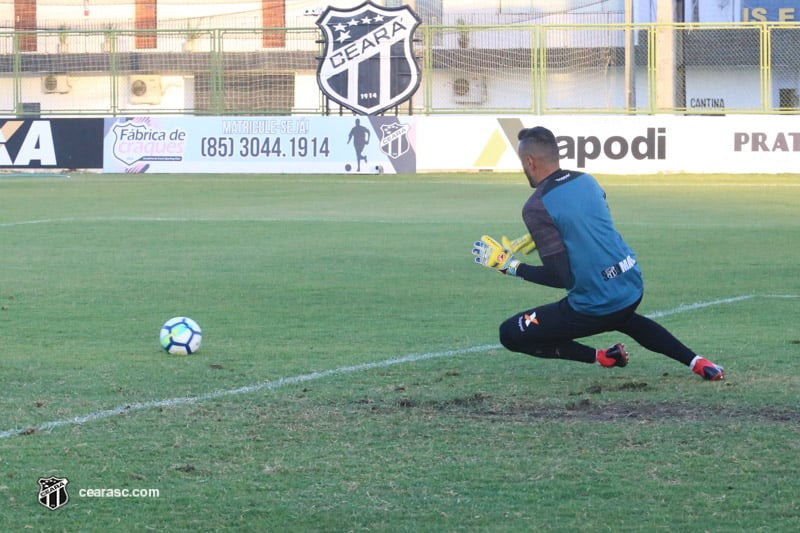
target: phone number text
264 147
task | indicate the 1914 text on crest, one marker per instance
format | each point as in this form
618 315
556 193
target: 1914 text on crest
369 64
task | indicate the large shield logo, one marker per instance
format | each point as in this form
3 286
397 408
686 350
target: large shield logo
53 492
369 64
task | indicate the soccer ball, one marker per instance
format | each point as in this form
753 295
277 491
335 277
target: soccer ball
181 336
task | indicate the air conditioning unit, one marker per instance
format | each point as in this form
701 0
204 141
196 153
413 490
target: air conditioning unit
145 90
469 89
55 83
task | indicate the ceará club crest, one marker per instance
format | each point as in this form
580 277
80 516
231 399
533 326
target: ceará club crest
368 65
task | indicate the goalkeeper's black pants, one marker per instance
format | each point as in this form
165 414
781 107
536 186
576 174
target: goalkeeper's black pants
550 331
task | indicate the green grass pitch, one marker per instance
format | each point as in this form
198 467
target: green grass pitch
350 377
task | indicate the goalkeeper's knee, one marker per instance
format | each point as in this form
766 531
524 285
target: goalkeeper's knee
510 335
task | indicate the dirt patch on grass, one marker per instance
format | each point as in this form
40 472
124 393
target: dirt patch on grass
482 405
588 410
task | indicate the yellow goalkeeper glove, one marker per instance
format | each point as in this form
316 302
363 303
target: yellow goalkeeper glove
490 253
523 245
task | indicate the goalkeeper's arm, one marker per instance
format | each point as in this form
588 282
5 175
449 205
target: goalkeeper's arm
553 272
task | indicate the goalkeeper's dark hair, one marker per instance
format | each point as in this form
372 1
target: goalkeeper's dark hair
539 142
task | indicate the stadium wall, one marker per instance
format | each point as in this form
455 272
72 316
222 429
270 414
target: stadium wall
618 145
739 144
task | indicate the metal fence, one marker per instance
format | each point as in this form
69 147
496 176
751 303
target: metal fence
520 68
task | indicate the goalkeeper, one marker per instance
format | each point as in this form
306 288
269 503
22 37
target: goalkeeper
570 225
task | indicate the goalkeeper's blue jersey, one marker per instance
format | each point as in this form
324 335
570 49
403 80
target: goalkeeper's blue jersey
568 212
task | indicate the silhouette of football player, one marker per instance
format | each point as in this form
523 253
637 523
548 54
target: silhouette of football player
360 137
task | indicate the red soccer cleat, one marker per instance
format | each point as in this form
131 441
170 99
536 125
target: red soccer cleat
708 370
614 356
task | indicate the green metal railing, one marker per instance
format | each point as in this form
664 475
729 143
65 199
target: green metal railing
532 69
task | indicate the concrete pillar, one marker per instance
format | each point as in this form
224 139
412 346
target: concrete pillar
665 55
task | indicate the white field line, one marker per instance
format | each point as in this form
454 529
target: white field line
315 218
701 305
292 380
267 220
